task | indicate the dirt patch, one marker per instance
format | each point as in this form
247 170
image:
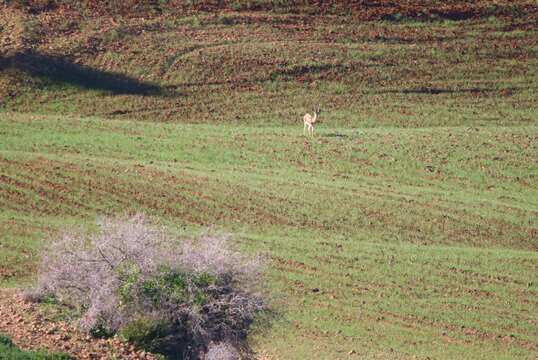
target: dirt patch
31 330
11 29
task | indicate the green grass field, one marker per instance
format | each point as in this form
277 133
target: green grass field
407 228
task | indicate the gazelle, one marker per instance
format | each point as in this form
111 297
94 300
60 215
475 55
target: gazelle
310 120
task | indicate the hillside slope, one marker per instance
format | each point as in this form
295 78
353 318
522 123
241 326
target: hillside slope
407 228
260 67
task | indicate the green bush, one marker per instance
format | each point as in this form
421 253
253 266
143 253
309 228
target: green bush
145 333
5 341
167 286
8 351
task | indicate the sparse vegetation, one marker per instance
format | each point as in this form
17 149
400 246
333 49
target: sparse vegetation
166 296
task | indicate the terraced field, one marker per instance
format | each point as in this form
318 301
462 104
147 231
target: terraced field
407 228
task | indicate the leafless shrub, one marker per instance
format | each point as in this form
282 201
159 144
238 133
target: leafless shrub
129 275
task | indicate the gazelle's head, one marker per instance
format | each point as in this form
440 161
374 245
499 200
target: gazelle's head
317 111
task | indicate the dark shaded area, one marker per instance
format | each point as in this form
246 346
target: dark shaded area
437 91
456 14
434 91
304 70
337 135
59 70
231 82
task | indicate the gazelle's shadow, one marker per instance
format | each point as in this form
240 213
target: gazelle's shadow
337 135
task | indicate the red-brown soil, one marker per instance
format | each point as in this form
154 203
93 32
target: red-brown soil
30 329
